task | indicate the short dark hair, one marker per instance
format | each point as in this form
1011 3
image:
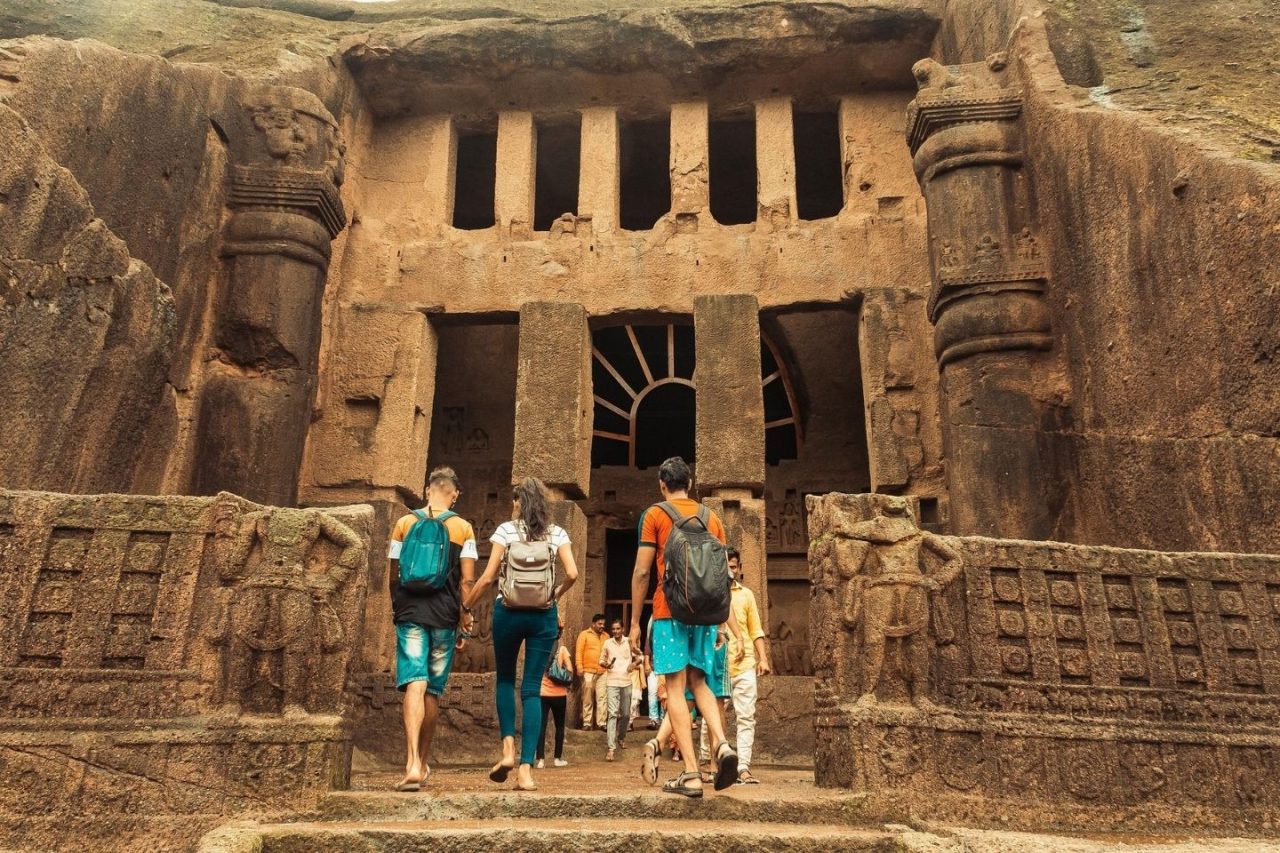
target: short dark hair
599 617
675 474
732 554
443 474
617 622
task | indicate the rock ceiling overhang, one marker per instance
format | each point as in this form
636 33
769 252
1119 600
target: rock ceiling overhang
643 58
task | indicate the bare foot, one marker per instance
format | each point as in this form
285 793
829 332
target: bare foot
412 780
524 779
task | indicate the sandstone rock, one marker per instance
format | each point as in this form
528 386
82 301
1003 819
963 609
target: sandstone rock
86 331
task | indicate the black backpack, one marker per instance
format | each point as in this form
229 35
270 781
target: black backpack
695 578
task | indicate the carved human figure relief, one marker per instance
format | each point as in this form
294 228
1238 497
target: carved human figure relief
285 136
890 597
275 605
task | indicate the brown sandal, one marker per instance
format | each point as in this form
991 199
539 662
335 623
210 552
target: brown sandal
678 786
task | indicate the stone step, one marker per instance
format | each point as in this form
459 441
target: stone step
754 805
639 832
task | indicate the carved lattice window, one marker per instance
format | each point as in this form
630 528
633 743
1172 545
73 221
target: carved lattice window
644 396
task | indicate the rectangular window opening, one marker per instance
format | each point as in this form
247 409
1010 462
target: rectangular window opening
475 177
645 172
732 157
555 186
819 178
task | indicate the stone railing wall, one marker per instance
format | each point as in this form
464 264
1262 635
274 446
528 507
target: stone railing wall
170 656
1042 681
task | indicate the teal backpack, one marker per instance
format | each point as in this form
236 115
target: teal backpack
424 555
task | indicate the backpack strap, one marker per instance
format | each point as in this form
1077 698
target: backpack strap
422 516
446 515
671 511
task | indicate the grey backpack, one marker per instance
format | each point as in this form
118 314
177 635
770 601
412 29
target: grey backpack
528 578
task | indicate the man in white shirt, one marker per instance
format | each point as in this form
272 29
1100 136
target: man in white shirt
616 658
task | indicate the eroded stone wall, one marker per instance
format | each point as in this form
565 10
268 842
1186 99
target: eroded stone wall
170 661
1039 681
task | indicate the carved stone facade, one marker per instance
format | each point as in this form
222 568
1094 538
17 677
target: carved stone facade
171 656
1067 684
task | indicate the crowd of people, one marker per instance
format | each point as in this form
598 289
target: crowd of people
705 648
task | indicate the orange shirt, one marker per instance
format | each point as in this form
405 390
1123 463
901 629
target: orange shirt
655 527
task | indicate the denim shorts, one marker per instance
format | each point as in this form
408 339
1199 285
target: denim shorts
424 654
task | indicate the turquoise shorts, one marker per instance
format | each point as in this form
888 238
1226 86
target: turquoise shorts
716 679
424 654
677 645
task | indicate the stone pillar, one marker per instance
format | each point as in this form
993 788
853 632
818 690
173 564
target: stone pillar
599 171
899 391
256 401
369 444
992 334
744 521
442 161
775 163
730 426
517 160
554 413
573 607
690 185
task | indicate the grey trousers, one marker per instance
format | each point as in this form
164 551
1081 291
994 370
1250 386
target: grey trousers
619 715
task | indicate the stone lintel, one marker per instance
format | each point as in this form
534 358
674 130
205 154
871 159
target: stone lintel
730 399
599 175
517 160
775 162
554 406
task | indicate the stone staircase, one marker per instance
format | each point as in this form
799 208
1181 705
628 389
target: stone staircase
594 805
462 810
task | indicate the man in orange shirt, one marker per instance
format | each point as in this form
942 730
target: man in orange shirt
587 658
683 653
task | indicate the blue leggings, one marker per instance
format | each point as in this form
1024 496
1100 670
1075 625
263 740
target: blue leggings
538 630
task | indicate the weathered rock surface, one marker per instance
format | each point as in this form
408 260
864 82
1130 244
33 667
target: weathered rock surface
85 330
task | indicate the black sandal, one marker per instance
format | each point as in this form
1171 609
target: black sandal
726 766
678 786
500 773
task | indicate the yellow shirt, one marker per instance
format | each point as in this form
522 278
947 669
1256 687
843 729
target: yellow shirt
747 613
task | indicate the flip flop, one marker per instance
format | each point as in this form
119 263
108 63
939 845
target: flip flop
726 766
500 773
678 786
649 762
408 787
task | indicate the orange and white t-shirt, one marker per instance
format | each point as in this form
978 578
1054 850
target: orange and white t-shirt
655 528
439 608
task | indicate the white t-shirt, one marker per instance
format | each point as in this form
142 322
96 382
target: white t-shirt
508 532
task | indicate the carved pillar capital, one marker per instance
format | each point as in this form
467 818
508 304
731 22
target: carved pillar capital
289 160
965 133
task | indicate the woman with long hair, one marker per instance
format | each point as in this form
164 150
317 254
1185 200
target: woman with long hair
535 628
